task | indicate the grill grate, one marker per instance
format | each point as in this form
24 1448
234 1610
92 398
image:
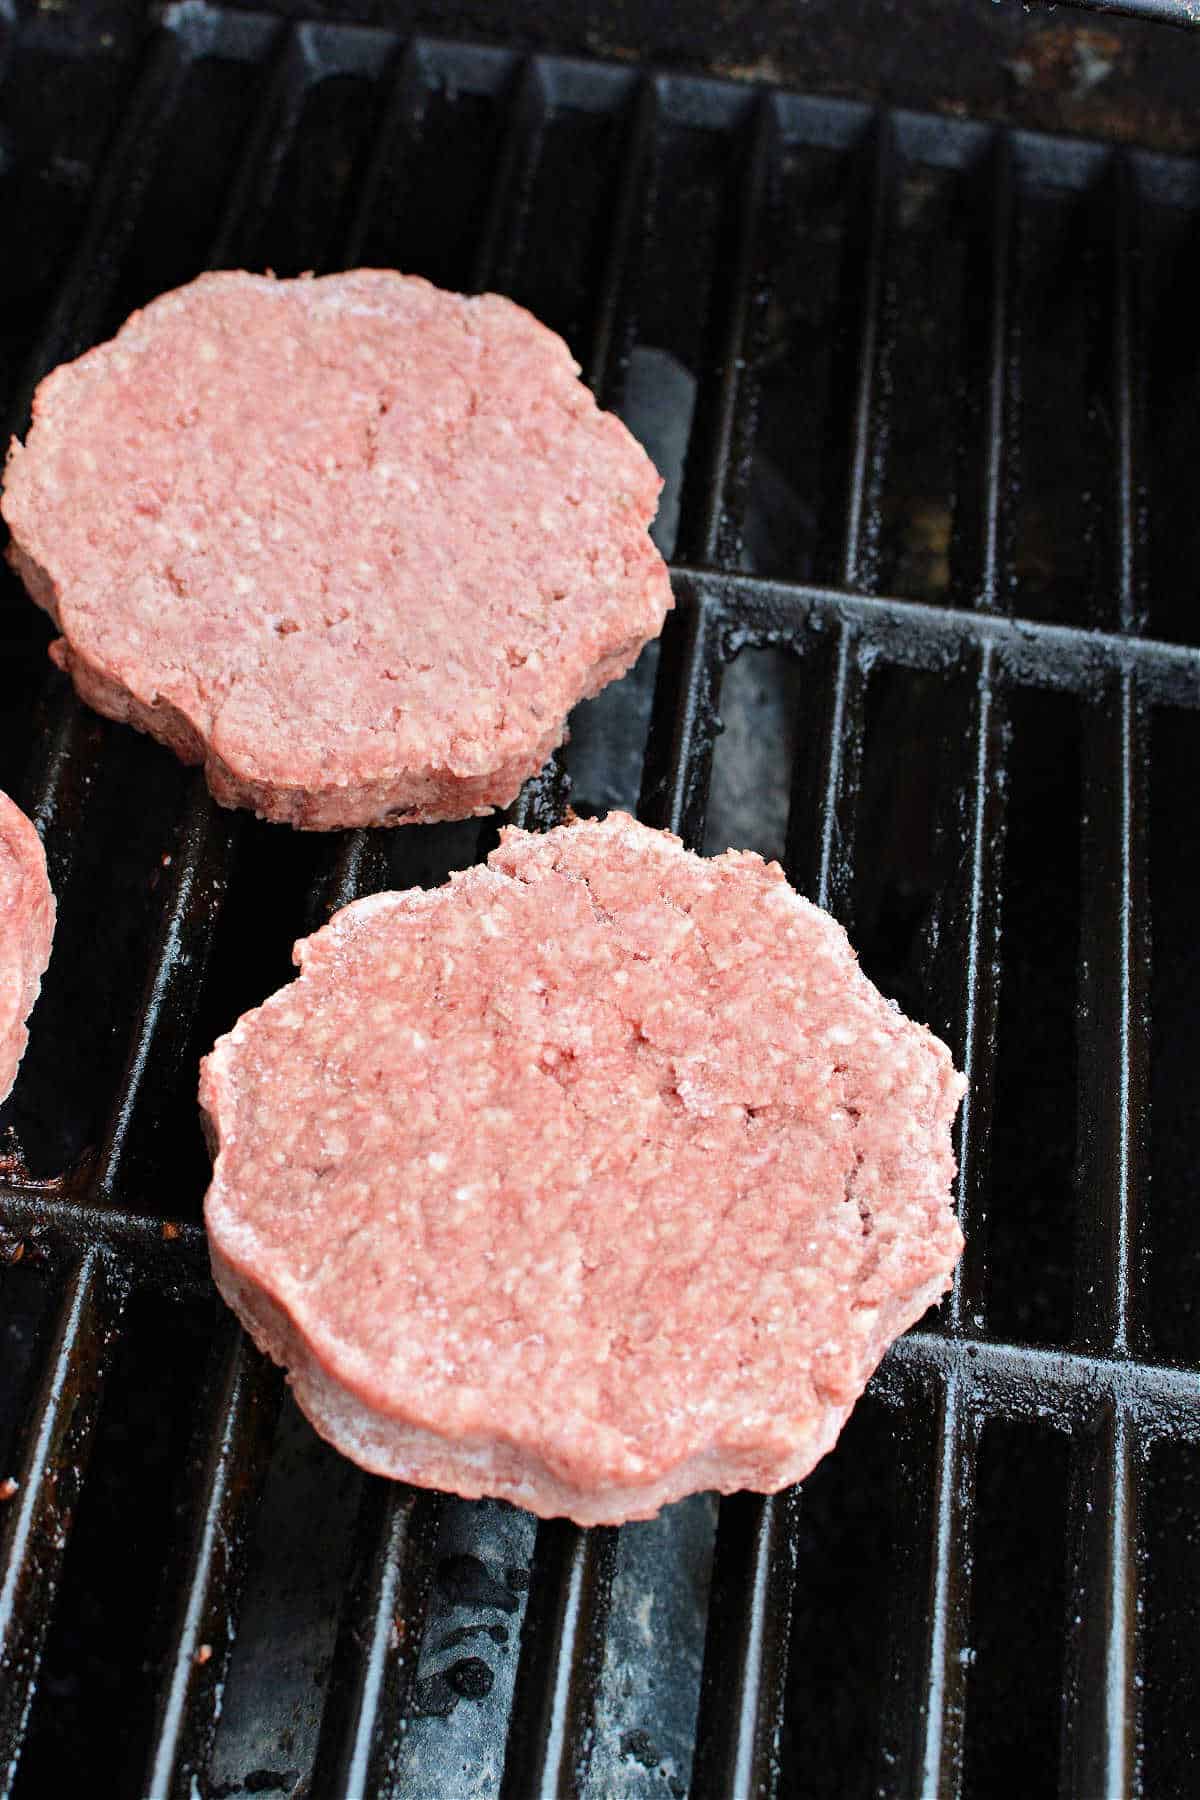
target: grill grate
845 294
1169 12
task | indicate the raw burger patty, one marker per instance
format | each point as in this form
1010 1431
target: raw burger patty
356 544
26 930
597 1176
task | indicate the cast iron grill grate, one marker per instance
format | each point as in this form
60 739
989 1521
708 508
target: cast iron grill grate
909 356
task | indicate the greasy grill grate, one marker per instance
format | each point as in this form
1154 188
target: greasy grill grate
920 357
1170 12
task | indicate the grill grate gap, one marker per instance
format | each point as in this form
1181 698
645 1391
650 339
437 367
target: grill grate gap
80 1588
226 1473
1169 1249
1102 1702
1112 1060
1170 1683
1013 1659
847 1544
1031 1201
49 1474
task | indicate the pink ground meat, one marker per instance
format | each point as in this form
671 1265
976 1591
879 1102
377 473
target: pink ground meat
600 1175
355 544
26 931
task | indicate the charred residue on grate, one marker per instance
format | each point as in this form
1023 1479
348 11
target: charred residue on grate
888 353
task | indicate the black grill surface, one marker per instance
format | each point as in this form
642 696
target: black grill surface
925 393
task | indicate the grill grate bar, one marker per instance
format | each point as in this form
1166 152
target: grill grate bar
1101 1724
403 122
821 866
922 1715
261 163
975 1030
1166 12
858 546
1131 611
229 1470
942 1681
359 866
199 876
145 1253
500 241
1002 381
562 1654
544 799
679 752
755 610
59 786
1021 1381
613 330
36 1523
710 514
997 382
743 1686
1113 983
302 55
1132 982
379 1640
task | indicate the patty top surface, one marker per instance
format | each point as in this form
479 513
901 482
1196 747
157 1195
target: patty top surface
342 526
605 1148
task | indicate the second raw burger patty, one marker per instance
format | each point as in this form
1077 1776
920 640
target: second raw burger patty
356 544
26 932
600 1175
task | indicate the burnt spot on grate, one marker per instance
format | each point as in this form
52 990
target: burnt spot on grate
920 389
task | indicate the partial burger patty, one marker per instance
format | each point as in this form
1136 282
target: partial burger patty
355 544
26 931
600 1175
